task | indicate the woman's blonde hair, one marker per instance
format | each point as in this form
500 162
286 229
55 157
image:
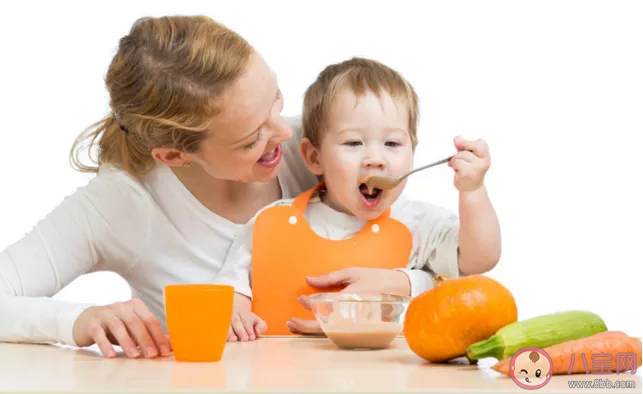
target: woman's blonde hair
163 83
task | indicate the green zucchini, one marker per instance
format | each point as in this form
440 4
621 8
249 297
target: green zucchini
540 331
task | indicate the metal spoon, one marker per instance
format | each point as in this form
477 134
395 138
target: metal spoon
385 182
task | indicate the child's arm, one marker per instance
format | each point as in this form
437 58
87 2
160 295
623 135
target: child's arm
235 272
479 233
450 245
236 266
479 228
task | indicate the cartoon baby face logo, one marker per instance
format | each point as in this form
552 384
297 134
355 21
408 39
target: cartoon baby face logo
531 368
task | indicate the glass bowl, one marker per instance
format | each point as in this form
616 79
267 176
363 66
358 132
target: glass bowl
360 320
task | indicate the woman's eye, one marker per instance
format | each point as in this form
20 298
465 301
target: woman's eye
254 143
250 146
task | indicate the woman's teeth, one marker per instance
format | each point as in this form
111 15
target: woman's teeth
270 156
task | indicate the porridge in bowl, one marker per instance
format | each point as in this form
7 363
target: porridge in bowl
360 320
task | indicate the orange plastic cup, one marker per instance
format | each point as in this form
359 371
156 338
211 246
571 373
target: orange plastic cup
198 318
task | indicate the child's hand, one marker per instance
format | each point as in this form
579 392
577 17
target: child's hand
470 164
304 326
245 325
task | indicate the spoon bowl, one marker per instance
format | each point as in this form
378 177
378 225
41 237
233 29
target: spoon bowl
383 182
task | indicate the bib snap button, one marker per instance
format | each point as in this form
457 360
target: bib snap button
375 228
292 220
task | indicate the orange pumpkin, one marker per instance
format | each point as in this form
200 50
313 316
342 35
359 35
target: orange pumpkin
442 322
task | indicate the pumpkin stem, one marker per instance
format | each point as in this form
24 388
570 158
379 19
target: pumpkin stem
436 278
491 347
439 279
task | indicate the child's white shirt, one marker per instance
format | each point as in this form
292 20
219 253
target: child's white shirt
435 233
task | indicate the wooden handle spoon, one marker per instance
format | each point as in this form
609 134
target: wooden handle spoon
385 182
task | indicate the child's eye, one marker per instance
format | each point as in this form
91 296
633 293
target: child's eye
392 143
353 143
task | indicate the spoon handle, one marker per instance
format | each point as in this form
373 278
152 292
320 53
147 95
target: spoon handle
427 166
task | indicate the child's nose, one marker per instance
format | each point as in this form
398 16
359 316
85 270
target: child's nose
374 162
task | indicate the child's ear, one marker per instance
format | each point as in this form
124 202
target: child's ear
311 157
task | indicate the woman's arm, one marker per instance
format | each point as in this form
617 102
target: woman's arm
80 235
28 277
56 251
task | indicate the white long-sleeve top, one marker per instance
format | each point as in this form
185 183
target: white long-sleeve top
152 232
435 232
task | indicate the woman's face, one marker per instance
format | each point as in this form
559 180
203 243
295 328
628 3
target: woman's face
246 136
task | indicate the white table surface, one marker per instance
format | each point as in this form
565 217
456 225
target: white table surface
266 365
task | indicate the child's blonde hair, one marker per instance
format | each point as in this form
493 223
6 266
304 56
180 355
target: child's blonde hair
359 75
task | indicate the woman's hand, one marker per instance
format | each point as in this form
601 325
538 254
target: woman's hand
360 280
355 280
128 324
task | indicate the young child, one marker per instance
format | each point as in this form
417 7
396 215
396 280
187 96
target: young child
359 119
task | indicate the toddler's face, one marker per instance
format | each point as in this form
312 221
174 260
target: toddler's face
364 136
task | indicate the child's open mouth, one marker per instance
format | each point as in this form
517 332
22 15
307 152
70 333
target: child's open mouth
370 198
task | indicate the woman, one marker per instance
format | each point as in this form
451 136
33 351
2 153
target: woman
193 147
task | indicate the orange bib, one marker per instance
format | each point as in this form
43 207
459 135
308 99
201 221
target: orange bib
286 250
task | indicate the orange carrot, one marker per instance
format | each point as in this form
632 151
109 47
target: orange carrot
610 343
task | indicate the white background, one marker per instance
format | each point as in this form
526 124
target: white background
554 87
